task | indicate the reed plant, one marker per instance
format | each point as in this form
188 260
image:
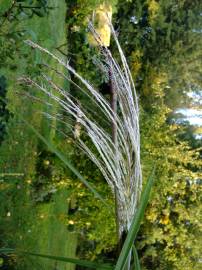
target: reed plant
115 140
117 158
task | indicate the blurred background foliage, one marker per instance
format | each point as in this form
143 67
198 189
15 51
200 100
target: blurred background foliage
44 207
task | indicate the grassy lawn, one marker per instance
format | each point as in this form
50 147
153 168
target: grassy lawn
48 234
40 229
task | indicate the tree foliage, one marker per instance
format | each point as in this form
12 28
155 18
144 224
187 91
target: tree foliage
162 40
161 44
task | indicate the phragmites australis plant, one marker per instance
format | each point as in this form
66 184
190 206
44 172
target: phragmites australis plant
117 152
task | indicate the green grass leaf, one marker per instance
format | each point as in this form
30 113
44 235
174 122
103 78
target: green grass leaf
83 263
136 259
135 225
6 250
54 150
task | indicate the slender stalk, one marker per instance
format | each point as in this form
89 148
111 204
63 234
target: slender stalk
113 102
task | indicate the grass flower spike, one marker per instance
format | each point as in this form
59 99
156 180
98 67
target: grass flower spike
117 158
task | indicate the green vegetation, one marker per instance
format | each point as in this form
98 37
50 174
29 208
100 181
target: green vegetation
47 206
21 151
169 237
